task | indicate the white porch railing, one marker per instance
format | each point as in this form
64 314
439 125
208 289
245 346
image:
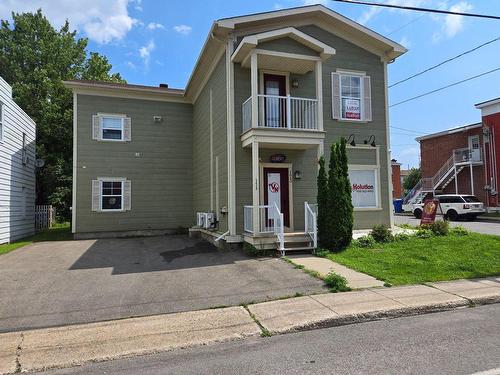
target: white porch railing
270 221
285 112
310 220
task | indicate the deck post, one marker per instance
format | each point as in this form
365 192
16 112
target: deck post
471 179
319 93
254 79
456 183
255 187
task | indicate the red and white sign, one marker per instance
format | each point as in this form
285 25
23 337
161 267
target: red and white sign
352 109
363 188
274 190
429 211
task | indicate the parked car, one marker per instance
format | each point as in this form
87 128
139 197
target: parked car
454 206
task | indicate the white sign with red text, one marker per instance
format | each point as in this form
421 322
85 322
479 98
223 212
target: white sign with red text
352 109
364 188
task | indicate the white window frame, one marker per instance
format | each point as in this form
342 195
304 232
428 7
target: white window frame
102 116
360 75
378 195
2 128
111 179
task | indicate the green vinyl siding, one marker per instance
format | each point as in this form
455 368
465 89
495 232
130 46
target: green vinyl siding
201 144
157 161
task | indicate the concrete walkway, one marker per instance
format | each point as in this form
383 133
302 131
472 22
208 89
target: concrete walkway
77 344
355 279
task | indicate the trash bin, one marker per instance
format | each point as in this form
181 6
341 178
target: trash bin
398 205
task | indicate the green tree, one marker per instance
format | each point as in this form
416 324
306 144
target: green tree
322 200
333 204
35 59
412 179
345 218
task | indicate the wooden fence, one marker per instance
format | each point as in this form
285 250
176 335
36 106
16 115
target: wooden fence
44 216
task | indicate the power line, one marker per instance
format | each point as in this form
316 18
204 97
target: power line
420 9
408 130
444 62
445 87
406 24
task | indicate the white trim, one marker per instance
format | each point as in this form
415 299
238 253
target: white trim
450 131
111 179
288 166
231 153
211 124
276 73
388 143
75 162
208 74
360 75
287 55
232 22
487 103
249 42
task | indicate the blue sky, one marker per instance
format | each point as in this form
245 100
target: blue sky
150 42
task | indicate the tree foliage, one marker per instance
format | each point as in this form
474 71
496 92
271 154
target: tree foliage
412 179
35 59
335 210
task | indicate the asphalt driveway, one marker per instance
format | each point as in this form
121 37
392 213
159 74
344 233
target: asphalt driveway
58 283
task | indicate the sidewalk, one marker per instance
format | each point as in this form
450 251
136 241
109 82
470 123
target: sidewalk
77 344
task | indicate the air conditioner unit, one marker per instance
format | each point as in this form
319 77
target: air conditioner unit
205 220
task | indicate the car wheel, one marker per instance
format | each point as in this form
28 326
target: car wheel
417 213
452 215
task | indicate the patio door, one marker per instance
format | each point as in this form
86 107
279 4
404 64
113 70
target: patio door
474 149
276 190
274 100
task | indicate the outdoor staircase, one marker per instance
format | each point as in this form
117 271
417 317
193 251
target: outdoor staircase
297 241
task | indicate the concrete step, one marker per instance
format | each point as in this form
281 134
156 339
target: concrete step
296 239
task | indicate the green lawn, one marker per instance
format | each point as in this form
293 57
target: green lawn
417 260
59 232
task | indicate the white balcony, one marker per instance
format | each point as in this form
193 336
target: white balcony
282 112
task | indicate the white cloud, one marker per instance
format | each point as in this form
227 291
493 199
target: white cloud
374 10
405 41
130 65
451 24
183 29
101 20
145 52
138 5
155 25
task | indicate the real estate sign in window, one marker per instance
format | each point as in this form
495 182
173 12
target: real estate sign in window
364 188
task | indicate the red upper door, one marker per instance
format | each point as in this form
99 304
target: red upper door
274 101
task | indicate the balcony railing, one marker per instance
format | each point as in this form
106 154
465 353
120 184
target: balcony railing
282 112
467 155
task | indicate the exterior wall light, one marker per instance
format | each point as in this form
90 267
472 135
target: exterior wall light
351 141
370 141
295 83
297 175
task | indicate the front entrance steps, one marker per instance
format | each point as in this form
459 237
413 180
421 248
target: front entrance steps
297 241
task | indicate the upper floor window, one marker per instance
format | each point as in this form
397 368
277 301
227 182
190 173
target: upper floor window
351 97
111 127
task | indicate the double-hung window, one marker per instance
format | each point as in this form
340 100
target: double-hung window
111 127
351 96
111 195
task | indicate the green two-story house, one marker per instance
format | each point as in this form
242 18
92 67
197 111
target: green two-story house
234 155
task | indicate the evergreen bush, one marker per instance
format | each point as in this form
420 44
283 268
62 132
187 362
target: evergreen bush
381 233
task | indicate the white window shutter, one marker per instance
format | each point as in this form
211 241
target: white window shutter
127 129
367 99
336 96
127 195
96 195
96 127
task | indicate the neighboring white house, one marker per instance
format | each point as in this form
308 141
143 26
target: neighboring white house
17 169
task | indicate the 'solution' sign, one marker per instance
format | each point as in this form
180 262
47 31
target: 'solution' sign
277 158
363 188
429 211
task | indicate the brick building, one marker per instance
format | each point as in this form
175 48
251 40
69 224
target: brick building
397 190
463 160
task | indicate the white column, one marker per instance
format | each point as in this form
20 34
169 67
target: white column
255 186
319 92
456 182
254 79
471 179
321 151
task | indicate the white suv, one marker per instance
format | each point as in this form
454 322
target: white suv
455 206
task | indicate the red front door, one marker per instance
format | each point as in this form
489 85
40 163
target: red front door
274 101
276 191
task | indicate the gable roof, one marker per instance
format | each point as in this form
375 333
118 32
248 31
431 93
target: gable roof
459 129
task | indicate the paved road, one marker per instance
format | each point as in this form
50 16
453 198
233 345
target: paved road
463 341
480 226
57 283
